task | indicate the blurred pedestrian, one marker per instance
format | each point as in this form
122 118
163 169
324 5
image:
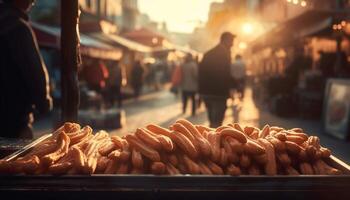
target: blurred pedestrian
199 97
96 74
238 73
215 79
115 83
176 79
137 78
159 74
295 69
189 83
149 75
23 75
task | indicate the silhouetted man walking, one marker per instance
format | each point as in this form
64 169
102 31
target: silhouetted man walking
215 79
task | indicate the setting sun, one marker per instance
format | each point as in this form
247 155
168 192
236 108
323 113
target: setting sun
247 28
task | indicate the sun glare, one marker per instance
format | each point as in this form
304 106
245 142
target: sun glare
247 28
242 45
180 15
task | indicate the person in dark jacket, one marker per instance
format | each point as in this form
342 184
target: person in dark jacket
189 83
137 78
23 74
215 79
114 83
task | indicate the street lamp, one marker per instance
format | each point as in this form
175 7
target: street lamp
303 3
343 23
340 26
154 40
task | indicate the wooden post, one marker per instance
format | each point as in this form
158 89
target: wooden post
70 59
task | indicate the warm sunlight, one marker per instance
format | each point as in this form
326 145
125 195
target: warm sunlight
247 28
242 45
180 15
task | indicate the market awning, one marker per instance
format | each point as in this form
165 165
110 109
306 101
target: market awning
146 37
307 24
121 42
175 47
50 37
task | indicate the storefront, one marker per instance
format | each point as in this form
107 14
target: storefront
295 60
311 31
95 55
49 42
132 51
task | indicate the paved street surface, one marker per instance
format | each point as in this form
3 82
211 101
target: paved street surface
164 108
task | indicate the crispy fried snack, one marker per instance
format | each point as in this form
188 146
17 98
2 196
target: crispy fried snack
185 148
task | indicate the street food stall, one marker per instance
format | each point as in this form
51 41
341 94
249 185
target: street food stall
316 52
191 161
185 161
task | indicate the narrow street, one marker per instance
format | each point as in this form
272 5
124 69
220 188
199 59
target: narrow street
164 108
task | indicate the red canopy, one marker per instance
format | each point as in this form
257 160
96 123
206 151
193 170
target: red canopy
48 36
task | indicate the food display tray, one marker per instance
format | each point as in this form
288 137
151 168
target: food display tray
174 187
100 186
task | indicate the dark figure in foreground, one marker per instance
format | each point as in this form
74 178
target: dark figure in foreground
215 79
137 78
23 74
189 83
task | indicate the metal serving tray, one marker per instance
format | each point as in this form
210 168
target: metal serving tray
100 186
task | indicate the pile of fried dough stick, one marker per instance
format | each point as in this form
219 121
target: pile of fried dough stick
183 148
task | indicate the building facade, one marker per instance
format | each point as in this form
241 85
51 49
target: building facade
130 15
110 10
277 11
122 13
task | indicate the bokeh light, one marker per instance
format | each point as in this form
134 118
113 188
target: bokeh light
247 28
